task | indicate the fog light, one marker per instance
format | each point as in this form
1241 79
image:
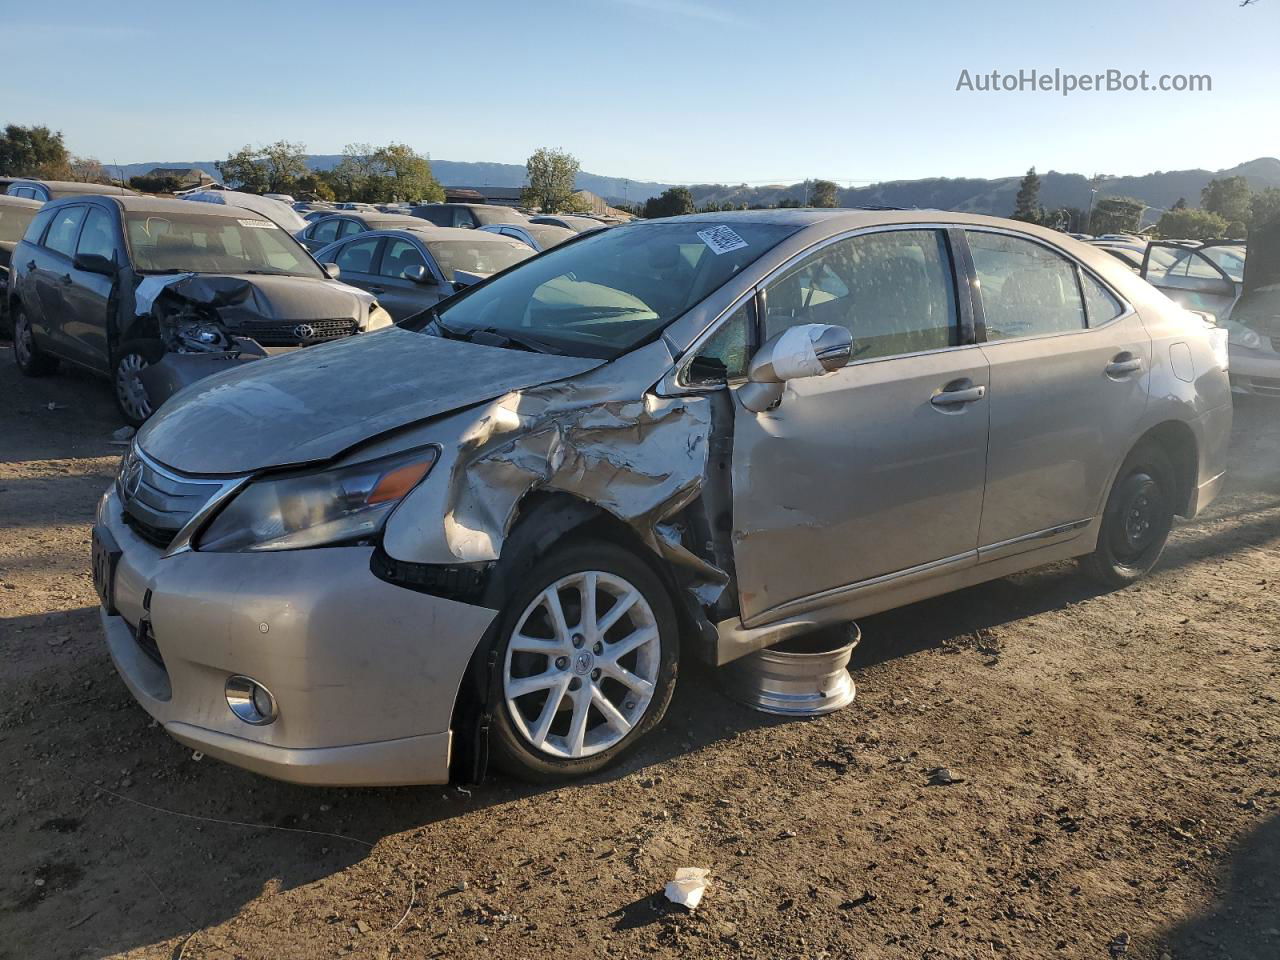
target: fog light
250 701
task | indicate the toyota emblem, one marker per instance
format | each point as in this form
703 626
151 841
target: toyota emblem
304 331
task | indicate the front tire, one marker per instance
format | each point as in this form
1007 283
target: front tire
126 380
31 360
588 651
1137 519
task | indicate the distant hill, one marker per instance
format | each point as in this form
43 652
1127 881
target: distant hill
1161 189
452 173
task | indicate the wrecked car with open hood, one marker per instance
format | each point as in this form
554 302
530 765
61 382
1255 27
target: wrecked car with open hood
489 532
159 293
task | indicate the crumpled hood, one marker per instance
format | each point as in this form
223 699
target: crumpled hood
315 403
257 298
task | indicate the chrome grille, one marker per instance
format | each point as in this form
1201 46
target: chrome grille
158 502
295 333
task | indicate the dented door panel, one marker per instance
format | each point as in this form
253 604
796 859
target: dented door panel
856 475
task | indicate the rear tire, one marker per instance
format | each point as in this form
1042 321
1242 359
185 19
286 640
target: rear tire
130 393
31 360
1137 519
612 681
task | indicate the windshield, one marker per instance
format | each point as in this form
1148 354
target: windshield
478 256
608 292
196 243
14 222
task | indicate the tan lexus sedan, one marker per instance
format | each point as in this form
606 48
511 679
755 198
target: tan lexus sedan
489 532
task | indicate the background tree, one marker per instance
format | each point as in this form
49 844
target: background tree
86 170
33 152
1229 198
1191 224
1265 208
672 202
1026 206
349 180
316 185
161 184
823 194
399 173
1116 215
273 168
1181 204
551 176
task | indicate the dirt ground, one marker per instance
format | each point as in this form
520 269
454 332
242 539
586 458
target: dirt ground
1118 759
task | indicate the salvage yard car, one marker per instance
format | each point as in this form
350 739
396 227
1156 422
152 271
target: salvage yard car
158 293
489 531
324 230
1237 285
411 270
16 214
536 236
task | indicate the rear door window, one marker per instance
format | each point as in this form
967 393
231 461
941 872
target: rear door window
64 230
350 228
1099 303
1027 289
326 231
358 255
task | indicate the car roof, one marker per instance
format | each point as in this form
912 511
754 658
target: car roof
20 202
160 205
431 232
76 186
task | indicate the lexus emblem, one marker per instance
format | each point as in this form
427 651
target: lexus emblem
304 331
132 478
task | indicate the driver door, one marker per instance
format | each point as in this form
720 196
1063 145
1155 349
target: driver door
868 473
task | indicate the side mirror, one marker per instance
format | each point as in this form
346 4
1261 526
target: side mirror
331 270
418 274
94 263
807 350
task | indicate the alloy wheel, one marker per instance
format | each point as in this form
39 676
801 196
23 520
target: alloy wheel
23 344
582 665
130 389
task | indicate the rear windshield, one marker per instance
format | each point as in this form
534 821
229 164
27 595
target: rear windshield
194 243
606 293
479 256
14 222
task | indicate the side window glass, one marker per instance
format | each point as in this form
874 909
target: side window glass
894 291
1027 290
357 256
38 224
399 257
1099 304
63 230
98 235
326 231
725 354
349 228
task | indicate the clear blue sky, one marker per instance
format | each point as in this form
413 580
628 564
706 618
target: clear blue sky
669 90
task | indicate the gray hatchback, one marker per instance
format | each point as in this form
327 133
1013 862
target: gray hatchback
500 523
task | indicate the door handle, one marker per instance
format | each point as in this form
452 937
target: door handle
951 398
31 264
1124 363
65 279
377 289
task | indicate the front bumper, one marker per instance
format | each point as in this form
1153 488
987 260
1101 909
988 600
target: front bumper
364 673
1255 372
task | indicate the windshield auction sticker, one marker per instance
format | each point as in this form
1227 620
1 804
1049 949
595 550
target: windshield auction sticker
258 224
721 240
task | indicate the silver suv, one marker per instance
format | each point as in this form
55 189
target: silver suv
498 525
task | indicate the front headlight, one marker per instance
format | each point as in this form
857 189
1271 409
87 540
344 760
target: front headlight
1242 336
378 318
289 512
